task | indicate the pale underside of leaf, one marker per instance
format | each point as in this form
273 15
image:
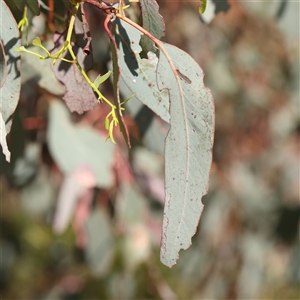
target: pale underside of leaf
188 149
10 86
138 74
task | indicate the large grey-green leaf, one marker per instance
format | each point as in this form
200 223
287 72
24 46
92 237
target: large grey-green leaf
10 90
74 145
188 149
139 75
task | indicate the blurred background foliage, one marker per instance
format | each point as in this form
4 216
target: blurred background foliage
81 218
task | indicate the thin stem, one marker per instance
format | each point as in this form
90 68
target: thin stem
72 22
95 89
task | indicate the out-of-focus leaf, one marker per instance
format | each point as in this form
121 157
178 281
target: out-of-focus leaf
131 205
32 201
131 209
100 246
10 91
3 65
79 96
153 22
188 149
73 145
74 185
33 4
139 75
212 8
202 6
32 67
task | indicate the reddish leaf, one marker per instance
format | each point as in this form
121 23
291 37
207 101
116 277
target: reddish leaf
79 96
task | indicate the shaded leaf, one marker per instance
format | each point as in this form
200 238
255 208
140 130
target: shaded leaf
10 91
139 75
116 77
73 145
153 22
3 65
79 96
100 247
33 67
34 5
188 149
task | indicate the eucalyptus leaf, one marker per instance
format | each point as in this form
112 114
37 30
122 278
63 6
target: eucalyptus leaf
188 148
100 247
10 89
74 145
153 22
34 5
3 65
116 78
138 75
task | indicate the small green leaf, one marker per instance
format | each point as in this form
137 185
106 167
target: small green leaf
101 78
37 42
106 123
20 49
202 7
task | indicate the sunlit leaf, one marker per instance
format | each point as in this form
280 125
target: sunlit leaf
139 75
188 149
10 65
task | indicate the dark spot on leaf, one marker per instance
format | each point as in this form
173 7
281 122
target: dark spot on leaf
183 77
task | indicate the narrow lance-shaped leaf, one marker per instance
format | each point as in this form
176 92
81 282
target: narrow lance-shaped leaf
3 65
116 77
188 149
153 22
